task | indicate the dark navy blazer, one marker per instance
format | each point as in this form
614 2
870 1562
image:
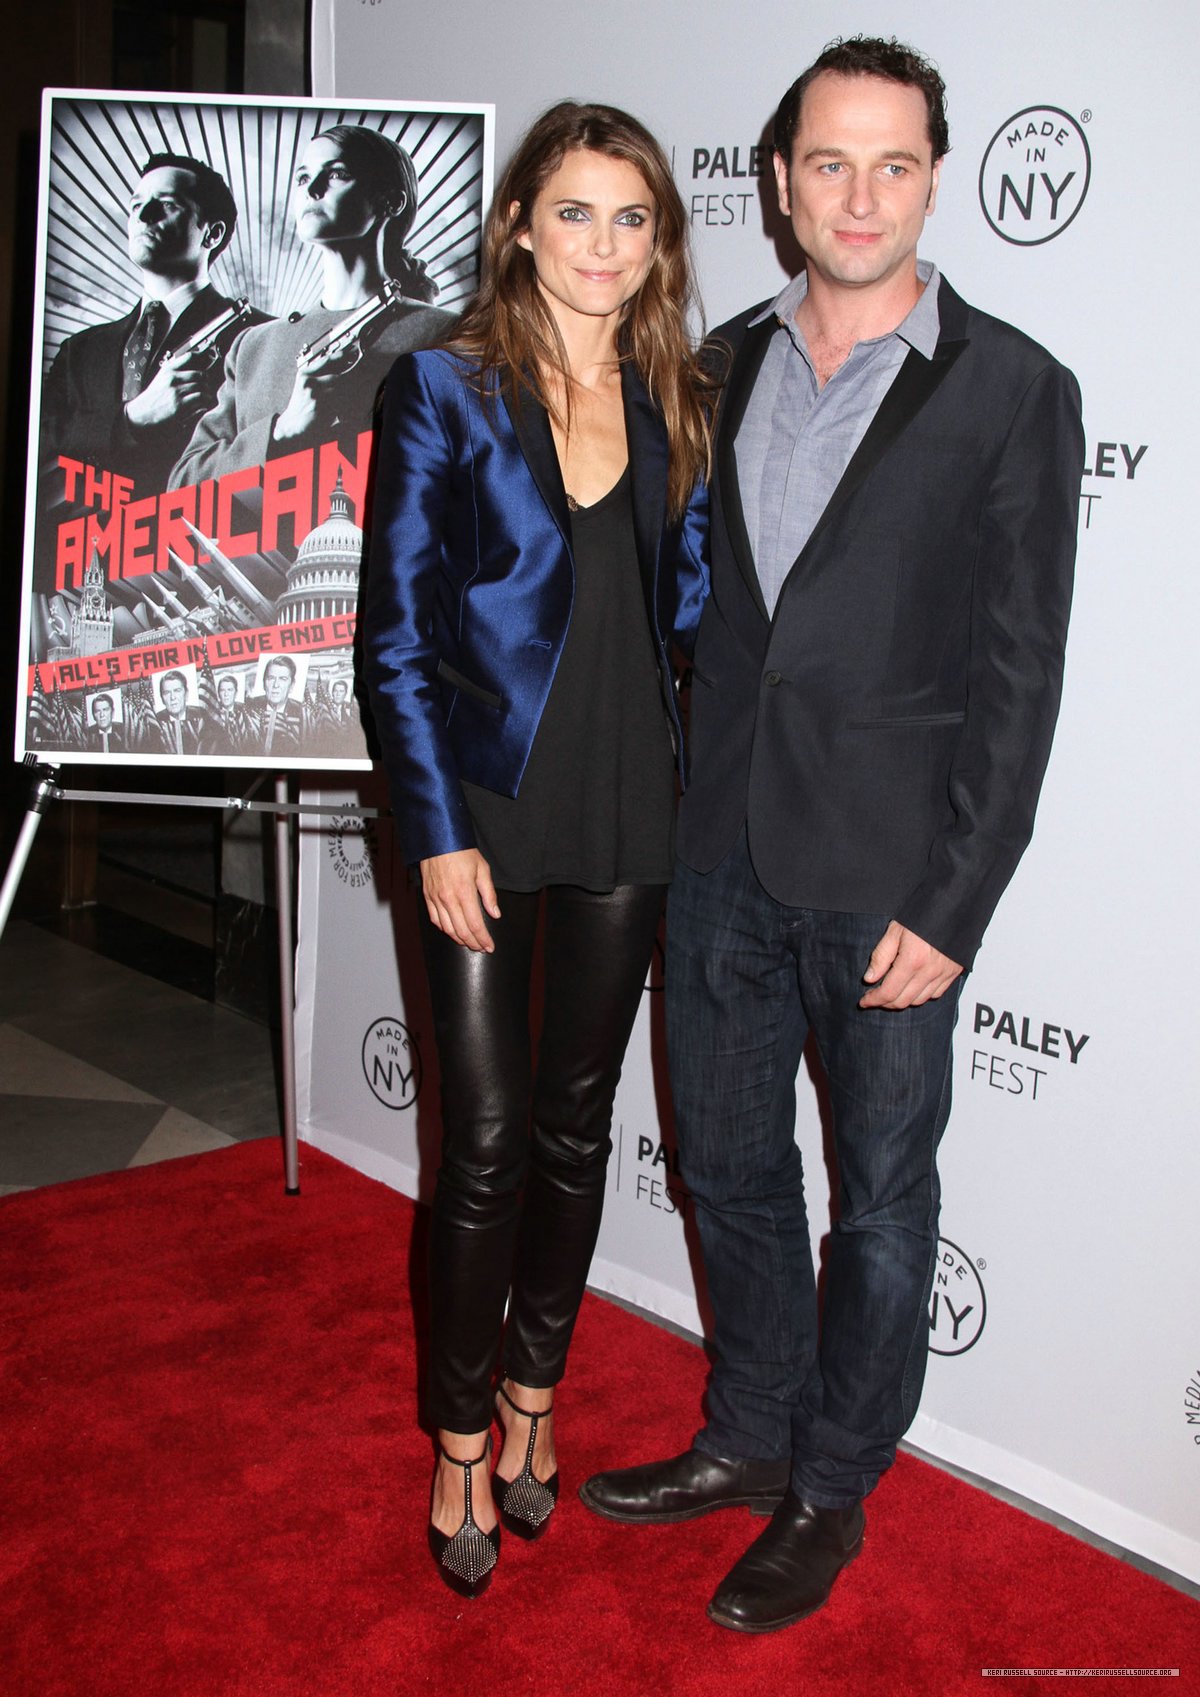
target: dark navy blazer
883 735
471 581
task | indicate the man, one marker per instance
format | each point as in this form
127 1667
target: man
114 398
341 712
278 722
230 730
182 729
103 736
877 676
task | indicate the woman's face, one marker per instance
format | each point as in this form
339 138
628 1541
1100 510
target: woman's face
329 202
591 234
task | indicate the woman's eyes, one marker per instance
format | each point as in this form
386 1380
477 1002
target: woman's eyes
632 220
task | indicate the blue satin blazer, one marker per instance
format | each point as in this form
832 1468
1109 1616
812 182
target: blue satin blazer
471 580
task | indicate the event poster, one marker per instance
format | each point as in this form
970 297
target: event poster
223 285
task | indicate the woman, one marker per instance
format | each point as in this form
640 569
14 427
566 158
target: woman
537 543
354 198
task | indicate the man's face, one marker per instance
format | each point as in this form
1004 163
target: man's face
227 692
174 697
167 235
861 180
339 693
277 682
102 714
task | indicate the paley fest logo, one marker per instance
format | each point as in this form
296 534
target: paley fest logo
391 1063
725 182
1035 175
1020 1074
657 1182
352 848
957 1306
1115 462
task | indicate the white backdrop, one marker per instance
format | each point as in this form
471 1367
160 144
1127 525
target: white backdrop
1067 1310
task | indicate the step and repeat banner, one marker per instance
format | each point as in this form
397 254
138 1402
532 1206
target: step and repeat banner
1066 1310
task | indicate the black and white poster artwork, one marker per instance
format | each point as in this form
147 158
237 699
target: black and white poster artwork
222 287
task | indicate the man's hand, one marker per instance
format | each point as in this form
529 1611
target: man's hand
173 389
905 971
458 890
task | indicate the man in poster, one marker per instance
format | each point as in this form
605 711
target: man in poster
126 395
278 722
877 677
181 728
230 730
103 735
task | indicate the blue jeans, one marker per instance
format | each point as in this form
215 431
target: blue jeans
746 980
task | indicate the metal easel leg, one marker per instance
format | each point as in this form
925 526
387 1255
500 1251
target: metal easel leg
287 1000
45 790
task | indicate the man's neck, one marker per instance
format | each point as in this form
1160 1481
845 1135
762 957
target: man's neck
835 315
159 286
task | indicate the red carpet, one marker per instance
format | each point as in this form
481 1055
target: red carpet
212 1485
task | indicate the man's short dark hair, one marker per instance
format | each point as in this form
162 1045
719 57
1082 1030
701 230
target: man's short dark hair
101 697
167 678
868 56
214 202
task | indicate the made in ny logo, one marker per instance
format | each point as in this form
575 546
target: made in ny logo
352 849
1035 175
958 1306
1191 1405
391 1063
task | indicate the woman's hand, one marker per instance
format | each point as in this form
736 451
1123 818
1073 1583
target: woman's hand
458 891
300 414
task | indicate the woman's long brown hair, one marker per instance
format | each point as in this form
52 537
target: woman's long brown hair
509 329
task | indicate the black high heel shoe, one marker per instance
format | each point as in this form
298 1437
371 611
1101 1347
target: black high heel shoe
466 1559
525 1503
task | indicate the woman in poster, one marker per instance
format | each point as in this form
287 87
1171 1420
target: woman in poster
312 378
539 517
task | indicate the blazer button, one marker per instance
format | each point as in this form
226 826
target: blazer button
773 678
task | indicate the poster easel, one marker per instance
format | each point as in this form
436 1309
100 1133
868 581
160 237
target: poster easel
46 789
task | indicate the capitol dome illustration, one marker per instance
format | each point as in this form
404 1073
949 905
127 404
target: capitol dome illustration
323 580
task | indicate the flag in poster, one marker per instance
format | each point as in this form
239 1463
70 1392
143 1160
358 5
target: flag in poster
223 285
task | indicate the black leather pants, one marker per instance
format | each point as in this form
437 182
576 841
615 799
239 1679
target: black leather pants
521 1186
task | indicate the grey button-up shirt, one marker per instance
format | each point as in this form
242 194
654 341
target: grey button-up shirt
797 439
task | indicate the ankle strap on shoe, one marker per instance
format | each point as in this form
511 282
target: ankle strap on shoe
474 1461
525 1413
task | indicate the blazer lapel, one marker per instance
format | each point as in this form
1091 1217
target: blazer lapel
531 426
914 383
738 388
646 435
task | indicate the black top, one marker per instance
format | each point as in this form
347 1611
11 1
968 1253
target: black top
596 805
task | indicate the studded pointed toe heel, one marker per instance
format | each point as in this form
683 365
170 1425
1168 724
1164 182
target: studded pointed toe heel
526 1503
466 1559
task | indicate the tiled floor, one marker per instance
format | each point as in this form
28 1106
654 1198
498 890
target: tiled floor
102 1067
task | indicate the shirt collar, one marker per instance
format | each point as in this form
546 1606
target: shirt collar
920 329
177 301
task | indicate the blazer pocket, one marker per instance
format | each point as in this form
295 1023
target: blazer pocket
905 721
456 680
